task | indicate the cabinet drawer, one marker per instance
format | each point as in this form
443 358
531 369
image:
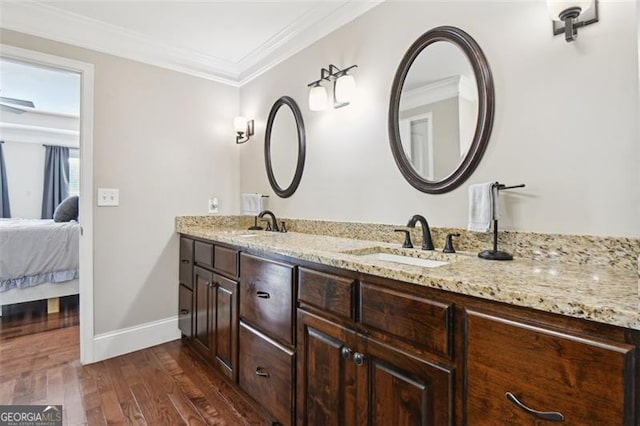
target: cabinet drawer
586 381
203 254
331 293
186 262
267 373
422 322
226 260
266 296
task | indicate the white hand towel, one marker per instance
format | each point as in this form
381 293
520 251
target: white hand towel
483 206
252 204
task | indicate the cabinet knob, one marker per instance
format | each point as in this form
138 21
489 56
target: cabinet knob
345 352
184 312
263 294
358 358
551 416
262 372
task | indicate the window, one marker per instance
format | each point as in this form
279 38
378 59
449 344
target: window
74 172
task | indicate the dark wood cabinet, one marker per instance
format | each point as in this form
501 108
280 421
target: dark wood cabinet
185 311
346 377
401 389
225 326
204 301
332 347
185 268
267 372
185 287
266 351
523 374
267 300
216 320
326 372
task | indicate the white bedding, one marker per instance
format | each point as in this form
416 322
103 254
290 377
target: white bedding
34 251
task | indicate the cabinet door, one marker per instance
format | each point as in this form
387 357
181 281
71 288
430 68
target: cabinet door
225 326
400 389
204 300
185 313
520 374
326 372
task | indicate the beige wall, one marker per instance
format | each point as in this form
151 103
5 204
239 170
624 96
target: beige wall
566 121
166 140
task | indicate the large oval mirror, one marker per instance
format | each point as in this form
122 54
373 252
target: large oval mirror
441 110
284 146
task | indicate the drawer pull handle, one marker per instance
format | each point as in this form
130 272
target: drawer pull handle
551 416
345 352
261 372
358 358
185 261
263 295
184 311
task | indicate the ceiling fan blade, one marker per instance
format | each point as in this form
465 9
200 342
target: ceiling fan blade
11 109
21 102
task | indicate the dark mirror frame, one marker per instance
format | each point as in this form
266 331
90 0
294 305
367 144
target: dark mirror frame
486 100
302 144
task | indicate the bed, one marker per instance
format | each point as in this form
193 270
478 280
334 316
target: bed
39 259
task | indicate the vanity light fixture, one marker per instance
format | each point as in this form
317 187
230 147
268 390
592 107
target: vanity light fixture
244 129
568 16
344 86
317 97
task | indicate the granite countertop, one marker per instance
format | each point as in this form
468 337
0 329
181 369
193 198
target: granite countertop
600 293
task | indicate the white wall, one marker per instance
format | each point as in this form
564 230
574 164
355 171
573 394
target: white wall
566 120
25 177
166 140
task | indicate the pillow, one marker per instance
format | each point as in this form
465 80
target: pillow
67 210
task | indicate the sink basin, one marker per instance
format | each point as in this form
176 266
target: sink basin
416 257
396 258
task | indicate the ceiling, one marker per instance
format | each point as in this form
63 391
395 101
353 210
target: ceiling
52 90
227 41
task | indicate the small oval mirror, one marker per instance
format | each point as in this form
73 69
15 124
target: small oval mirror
284 146
441 110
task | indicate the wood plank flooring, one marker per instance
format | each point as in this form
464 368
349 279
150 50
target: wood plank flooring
164 385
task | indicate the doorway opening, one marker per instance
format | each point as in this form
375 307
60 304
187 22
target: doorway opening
66 135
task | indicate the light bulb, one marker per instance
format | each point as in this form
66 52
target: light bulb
317 98
345 88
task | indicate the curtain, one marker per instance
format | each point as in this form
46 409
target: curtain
56 179
5 210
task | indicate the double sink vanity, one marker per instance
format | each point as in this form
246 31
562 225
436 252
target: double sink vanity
327 330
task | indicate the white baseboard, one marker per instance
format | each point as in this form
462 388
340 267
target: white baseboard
131 339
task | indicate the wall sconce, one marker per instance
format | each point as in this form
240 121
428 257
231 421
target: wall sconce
568 16
244 129
344 87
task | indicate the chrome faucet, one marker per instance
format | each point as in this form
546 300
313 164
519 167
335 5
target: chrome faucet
274 221
427 243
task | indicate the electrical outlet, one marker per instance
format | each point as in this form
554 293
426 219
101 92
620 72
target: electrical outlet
108 197
213 205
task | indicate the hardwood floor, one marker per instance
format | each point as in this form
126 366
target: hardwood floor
31 317
164 385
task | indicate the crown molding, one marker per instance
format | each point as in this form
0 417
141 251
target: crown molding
299 35
46 21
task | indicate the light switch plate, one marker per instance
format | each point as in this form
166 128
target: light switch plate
108 197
